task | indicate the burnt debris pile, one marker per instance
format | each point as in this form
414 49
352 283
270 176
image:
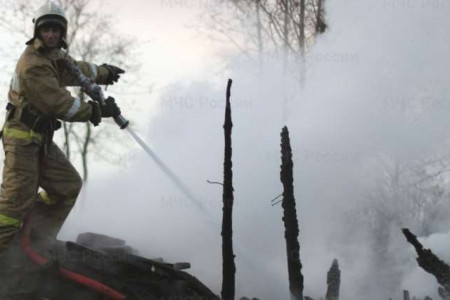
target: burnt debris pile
106 267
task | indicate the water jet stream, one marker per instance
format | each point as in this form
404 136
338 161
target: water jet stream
240 249
174 178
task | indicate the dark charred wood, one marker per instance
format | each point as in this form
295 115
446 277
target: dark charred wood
229 267
430 262
290 219
333 281
137 277
406 295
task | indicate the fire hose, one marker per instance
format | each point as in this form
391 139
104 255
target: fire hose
92 90
96 93
75 277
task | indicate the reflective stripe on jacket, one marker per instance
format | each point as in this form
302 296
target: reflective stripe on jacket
29 135
8 221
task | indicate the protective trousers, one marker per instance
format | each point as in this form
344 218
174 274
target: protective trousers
24 172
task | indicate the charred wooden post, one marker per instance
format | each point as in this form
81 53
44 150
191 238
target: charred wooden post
333 281
430 262
290 219
406 295
228 267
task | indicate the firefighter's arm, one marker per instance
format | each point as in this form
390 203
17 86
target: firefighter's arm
42 90
98 74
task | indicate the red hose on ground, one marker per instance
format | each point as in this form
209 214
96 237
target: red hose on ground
83 280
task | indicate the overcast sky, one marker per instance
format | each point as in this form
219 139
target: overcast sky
172 49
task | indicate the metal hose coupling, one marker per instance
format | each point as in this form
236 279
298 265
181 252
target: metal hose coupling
92 90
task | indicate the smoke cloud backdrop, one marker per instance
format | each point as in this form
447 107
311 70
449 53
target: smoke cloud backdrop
376 85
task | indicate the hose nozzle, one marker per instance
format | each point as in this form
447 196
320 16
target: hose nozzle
121 121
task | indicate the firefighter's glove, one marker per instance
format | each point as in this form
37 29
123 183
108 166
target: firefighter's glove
96 115
110 108
114 73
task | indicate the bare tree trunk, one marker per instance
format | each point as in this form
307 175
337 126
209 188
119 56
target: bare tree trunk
321 25
229 267
333 281
430 262
286 43
290 219
84 152
86 141
302 41
66 140
286 6
259 33
302 28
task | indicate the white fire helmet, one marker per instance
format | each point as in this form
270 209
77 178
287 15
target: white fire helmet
50 13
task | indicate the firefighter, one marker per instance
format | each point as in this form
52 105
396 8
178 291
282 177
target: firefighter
38 99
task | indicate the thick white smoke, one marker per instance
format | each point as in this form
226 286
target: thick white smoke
376 85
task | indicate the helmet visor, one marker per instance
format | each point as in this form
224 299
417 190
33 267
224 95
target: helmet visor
52 21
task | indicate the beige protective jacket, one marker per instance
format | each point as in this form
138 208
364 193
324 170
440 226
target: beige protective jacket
38 83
